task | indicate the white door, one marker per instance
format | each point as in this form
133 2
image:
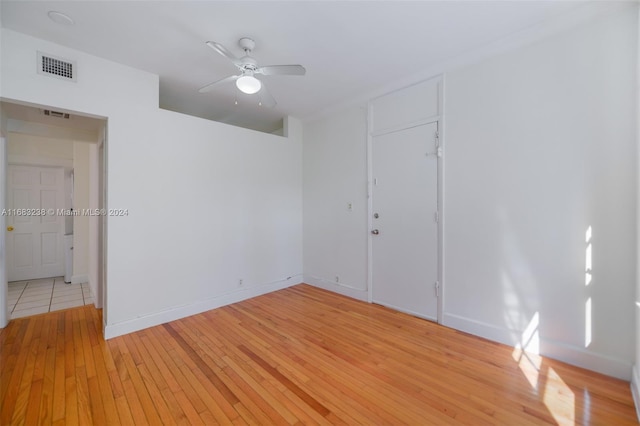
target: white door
405 230
35 230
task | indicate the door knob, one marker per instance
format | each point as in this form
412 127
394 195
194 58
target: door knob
9 228
375 232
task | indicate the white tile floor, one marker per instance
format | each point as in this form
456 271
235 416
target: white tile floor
45 295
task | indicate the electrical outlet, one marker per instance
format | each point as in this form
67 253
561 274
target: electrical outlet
337 279
240 282
349 207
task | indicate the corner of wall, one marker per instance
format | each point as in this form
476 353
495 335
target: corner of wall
4 312
292 128
3 123
342 289
635 379
178 312
635 390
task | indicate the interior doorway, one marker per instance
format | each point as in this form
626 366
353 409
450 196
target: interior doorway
61 143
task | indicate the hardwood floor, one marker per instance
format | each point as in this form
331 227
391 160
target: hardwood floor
296 356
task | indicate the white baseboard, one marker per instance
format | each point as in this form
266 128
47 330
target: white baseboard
79 279
345 290
407 311
635 389
570 354
177 312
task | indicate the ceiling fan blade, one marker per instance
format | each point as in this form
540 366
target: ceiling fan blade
224 52
281 70
266 99
211 86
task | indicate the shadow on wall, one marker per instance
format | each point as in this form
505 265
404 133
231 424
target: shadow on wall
521 312
547 291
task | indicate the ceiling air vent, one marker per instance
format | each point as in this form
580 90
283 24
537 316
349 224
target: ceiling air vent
56 67
56 114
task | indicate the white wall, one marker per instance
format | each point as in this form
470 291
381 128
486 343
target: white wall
335 175
208 204
51 131
540 147
81 204
635 379
29 149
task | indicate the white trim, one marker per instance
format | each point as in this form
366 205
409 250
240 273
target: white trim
409 125
369 201
4 312
408 311
64 133
441 210
79 279
635 374
574 355
635 389
340 288
635 377
177 312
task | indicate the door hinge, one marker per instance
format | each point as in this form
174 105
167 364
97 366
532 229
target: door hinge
436 217
437 287
438 147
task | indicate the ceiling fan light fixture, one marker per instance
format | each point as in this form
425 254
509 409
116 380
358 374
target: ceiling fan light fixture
248 84
60 18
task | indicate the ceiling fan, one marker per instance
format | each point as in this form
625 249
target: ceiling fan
246 81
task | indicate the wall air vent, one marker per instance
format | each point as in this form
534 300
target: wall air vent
56 114
56 67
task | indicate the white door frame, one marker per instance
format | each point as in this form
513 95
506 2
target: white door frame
440 189
102 224
4 312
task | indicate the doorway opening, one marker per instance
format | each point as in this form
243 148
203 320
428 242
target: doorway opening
53 254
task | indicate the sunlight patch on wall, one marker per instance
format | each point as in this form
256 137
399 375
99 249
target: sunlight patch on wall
587 323
588 258
530 336
588 269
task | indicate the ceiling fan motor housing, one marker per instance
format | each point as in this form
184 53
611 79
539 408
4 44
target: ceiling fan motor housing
247 44
248 63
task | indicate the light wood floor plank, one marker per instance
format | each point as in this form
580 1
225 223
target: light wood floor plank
194 391
296 356
26 376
